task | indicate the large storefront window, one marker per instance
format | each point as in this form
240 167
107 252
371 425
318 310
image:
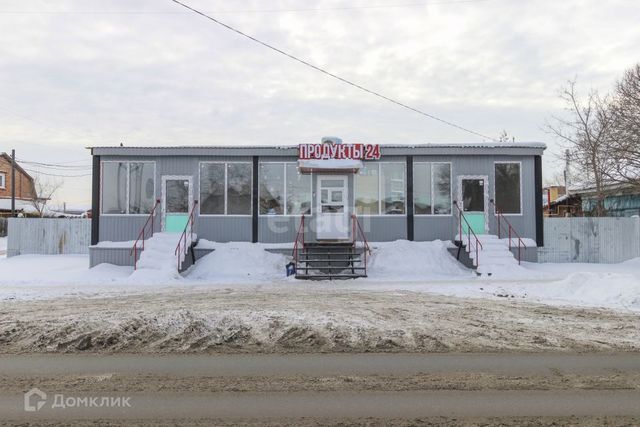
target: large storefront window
283 190
380 189
128 188
507 179
432 188
298 191
239 188
225 188
141 187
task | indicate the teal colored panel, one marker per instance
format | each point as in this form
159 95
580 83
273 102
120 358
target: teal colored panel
476 220
175 223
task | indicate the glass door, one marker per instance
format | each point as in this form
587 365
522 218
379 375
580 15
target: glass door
176 202
333 214
473 193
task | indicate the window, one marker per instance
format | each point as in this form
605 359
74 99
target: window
380 189
366 185
3 180
128 188
392 188
225 188
432 188
298 191
283 190
141 187
507 188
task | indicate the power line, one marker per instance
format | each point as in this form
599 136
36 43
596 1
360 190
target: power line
56 165
330 74
56 175
294 10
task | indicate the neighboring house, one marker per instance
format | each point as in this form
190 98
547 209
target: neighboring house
25 188
620 200
564 205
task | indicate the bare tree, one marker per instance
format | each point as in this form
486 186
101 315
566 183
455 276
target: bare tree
586 132
504 137
626 139
44 193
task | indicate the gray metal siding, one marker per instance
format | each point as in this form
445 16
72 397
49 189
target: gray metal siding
224 228
115 256
384 228
434 227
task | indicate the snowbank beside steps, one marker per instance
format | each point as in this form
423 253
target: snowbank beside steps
239 262
407 261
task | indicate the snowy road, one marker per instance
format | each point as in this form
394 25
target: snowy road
329 388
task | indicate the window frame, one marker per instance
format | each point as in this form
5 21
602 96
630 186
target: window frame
3 180
519 162
380 214
128 162
284 193
226 173
432 214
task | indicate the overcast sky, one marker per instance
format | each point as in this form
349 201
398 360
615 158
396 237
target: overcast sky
147 72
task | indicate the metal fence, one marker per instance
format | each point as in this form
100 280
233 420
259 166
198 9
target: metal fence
589 239
48 236
3 227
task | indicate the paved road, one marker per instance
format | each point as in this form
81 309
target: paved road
184 387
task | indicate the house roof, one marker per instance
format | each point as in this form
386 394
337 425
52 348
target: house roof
18 167
514 148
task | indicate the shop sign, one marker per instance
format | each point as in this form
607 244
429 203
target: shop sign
332 151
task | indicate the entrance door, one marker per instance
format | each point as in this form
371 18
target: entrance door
474 196
176 202
333 213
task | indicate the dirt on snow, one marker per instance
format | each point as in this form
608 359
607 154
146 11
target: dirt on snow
232 320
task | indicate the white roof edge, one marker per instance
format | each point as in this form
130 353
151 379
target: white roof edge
536 145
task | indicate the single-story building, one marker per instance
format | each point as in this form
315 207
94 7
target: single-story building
272 194
621 200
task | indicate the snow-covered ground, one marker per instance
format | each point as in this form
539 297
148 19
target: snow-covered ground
401 266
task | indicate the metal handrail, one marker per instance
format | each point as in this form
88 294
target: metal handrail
141 235
296 249
358 230
188 227
511 229
469 232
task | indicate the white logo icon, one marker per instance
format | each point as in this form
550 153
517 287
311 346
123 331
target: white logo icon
34 400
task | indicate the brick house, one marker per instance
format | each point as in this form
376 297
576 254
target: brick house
25 188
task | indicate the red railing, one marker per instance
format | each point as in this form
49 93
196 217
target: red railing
511 231
299 243
470 232
358 231
142 235
182 248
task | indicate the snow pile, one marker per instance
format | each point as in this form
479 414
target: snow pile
404 260
158 262
238 262
599 289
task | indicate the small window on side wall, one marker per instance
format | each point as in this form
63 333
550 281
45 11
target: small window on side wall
3 181
507 187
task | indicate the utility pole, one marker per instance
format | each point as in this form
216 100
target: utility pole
13 183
